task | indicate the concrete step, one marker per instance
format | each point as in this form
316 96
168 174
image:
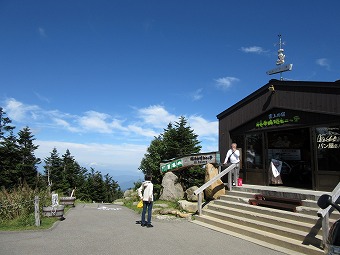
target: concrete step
269 228
311 219
272 241
297 232
310 227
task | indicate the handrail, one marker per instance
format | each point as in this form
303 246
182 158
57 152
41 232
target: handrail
324 213
207 184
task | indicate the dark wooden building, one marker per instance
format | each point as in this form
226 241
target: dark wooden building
295 122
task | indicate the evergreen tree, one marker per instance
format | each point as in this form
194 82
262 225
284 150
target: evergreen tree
73 174
7 149
9 161
54 171
27 166
177 140
95 186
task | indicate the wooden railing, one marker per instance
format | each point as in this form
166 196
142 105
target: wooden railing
325 213
200 190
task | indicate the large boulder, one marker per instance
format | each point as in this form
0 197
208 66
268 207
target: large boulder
216 189
172 189
187 206
189 194
128 193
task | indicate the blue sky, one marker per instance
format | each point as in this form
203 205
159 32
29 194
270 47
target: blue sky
102 78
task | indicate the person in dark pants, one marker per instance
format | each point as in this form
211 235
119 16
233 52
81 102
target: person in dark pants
145 192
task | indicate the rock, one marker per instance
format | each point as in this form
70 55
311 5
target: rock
172 189
189 194
128 193
188 206
175 212
216 189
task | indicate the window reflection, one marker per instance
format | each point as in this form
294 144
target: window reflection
254 153
328 148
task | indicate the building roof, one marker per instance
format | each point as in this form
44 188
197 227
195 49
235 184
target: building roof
278 85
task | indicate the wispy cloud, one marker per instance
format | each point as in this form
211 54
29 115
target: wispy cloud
197 95
253 49
41 97
21 112
120 158
136 132
148 121
42 32
226 82
324 62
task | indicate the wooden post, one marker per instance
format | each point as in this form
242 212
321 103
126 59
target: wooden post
36 211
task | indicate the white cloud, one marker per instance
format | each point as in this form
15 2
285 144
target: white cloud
253 49
19 111
95 121
202 127
226 82
156 116
142 131
197 95
119 159
324 62
137 132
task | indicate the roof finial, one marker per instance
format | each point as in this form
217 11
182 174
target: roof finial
280 61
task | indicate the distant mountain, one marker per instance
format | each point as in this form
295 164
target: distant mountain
127 181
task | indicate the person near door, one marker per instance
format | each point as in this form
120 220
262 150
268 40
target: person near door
233 157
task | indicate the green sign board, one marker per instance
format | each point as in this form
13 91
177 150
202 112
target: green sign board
190 160
277 119
171 166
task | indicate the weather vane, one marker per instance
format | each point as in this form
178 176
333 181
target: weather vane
280 62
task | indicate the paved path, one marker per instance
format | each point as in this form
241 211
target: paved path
89 230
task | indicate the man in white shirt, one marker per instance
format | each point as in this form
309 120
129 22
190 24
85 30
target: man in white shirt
233 157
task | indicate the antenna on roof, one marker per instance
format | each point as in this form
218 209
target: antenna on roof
280 61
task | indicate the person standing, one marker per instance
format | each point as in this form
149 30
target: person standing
233 157
145 192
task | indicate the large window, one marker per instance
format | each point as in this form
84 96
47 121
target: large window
328 148
254 152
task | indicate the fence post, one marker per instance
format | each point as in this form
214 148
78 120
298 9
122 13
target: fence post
36 211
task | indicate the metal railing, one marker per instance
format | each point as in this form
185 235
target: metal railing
200 190
325 213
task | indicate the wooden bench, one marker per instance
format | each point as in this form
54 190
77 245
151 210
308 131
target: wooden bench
281 203
278 199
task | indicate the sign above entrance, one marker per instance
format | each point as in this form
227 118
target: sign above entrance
190 160
277 119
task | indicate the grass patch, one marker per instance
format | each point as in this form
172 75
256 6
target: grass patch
133 206
28 223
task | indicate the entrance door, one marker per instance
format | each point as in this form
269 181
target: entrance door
292 148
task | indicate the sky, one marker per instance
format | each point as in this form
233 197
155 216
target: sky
103 78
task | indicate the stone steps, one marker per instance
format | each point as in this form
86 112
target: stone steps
290 232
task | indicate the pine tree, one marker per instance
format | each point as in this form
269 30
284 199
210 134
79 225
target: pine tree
73 174
9 161
27 166
177 140
54 170
7 149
